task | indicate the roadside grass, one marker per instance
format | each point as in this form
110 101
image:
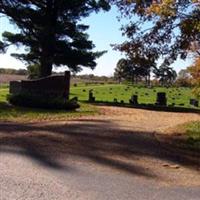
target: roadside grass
21 114
192 131
186 136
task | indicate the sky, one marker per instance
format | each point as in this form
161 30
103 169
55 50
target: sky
104 30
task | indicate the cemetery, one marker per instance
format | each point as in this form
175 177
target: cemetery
135 95
29 94
99 99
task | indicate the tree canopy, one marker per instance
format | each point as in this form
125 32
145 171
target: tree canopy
195 73
51 32
165 29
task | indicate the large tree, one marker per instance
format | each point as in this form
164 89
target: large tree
123 70
194 71
165 29
131 71
166 75
51 32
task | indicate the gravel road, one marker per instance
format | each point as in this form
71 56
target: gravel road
112 156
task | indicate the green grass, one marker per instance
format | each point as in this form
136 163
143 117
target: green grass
107 93
19 114
4 85
192 131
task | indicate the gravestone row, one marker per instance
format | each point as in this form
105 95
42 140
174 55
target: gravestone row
161 99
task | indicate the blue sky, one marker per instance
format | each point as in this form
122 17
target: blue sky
104 30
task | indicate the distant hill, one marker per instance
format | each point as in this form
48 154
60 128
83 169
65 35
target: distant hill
13 71
7 75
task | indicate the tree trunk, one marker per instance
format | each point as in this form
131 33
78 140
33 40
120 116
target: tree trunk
149 79
48 42
133 78
45 67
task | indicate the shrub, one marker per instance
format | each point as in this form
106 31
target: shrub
39 101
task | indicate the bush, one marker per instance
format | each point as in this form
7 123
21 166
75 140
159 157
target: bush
28 100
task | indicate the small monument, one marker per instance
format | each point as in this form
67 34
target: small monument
91 97
51 86
194 102
161 99
134 100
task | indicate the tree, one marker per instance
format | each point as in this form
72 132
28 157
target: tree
122 70
195 73
1 47
33 71
128 70
166 75
51 33
183 78
164 29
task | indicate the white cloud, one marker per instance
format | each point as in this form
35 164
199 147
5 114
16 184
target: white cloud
7 61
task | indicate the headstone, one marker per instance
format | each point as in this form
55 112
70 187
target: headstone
134 100
194 102
161 99
91 97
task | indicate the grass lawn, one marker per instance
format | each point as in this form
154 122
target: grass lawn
19 114
178 96
107 93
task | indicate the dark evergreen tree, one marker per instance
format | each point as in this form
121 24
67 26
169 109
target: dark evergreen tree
51 33
1 47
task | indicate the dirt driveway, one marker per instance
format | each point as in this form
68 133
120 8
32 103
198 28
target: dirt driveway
111 155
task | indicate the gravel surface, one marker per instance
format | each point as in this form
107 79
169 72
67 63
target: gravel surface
111 156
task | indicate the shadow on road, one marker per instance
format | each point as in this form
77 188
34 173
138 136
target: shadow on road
99 141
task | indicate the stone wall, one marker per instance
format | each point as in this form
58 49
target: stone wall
55 85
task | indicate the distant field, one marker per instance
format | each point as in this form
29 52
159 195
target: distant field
108 92
6 78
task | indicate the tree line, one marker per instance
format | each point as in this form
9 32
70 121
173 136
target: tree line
167 76
23 72
127 70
